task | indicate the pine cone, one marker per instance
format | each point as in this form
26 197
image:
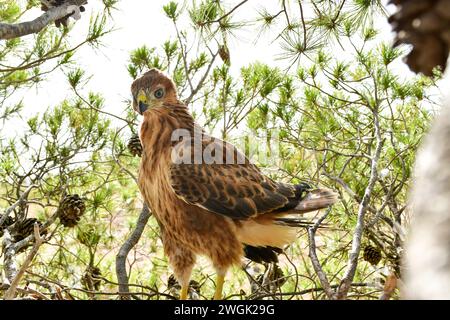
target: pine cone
372 255
91 279
25 228
425 25
224 54
275 277
71 209
278 276
174 287
134 145
8 221
172 282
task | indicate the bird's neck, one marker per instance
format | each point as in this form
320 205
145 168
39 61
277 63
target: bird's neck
180 113
160 126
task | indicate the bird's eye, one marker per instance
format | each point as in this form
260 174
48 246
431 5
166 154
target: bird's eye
159 93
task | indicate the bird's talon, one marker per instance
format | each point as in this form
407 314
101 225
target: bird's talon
74 11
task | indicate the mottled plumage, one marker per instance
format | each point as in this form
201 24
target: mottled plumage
218 209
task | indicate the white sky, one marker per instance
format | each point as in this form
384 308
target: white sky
140 22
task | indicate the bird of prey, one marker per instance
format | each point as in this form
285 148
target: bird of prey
223 209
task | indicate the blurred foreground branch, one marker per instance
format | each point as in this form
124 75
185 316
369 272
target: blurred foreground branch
428 248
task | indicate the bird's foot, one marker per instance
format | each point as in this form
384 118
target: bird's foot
302 188
184 292
219 287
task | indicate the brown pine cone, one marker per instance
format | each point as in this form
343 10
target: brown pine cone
425 25
134 145
71 209
372 255
91 279
174 287
224 54
25 228
8 221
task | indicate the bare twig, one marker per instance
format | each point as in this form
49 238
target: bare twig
229 12
303 24
121 258
315 260
307 291
20 201
184 55
363 207
202 80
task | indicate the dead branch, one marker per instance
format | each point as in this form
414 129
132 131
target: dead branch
11 248
308 291
363 207
19 202
315 260
121 258
10 31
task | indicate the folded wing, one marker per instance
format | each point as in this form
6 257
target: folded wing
239 191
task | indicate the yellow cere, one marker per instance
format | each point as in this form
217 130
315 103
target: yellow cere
142 97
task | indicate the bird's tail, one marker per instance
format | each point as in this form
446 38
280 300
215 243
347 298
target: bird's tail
316 199
266 234
313 200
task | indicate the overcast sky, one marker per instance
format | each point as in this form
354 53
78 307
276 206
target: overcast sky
137 23
140 22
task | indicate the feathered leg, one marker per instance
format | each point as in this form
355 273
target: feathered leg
183 275
182 261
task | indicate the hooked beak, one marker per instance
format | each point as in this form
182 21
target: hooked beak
142 107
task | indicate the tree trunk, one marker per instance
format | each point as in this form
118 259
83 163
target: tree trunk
427 263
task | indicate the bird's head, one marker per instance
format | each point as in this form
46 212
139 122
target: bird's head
152 89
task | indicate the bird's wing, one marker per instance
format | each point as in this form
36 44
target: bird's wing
239 191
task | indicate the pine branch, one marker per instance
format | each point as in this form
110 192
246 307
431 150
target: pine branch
363 208
10 31
9 295
22 200
121 258
229 12
315 260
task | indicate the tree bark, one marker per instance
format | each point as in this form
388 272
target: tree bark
10 31
352 264
427 263
121 258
